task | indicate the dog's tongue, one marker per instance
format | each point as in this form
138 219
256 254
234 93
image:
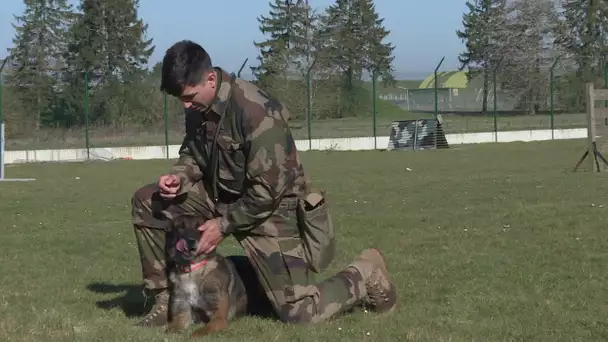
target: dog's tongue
181 246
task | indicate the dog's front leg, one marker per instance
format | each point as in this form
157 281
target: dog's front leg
219 320
181 315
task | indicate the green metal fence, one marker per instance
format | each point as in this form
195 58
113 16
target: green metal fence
89 112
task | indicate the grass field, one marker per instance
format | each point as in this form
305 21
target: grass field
488 242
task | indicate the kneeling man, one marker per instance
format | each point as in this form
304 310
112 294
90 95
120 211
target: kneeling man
239 168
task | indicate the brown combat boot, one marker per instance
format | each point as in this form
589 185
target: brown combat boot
381 292
159 313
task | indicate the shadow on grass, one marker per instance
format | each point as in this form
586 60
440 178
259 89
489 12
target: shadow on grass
133 303
131 299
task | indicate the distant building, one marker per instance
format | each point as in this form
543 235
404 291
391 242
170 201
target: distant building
455 93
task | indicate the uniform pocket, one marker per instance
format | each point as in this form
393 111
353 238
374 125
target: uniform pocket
316 227
231 163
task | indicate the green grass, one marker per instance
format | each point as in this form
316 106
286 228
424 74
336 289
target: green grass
487 242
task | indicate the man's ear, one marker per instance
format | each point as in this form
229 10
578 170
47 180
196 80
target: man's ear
211 77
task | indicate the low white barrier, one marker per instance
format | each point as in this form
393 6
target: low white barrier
339 144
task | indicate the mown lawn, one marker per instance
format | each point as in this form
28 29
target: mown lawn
488 242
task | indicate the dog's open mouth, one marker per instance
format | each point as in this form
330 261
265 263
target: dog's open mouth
185 251
182 246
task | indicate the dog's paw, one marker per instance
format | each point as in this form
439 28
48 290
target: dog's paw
201 332
214 326
175 327
173 330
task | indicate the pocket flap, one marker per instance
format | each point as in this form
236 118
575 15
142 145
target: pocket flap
314 198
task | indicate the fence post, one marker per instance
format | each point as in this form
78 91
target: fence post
166 115
552 97
309 103
2 131
86 114
374 79
436 85
242 66
606 75
495 102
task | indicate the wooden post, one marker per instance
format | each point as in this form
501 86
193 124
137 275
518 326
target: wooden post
590 96
595 156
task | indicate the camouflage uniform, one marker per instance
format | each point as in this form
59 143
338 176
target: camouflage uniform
257 154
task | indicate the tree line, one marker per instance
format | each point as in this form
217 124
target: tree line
59 50
320 56
523 41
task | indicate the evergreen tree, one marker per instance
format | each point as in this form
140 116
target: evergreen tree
36 58
288 27
377 56
352 35
109 41
109 45
482 33
285 56
342 34
584 34
528 51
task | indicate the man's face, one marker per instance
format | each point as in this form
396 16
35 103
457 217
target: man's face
200 97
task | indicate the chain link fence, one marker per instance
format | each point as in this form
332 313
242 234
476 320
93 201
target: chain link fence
88 111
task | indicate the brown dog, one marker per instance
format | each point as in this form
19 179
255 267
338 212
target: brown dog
204 288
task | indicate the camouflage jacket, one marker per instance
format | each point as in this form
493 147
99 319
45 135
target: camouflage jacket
258 161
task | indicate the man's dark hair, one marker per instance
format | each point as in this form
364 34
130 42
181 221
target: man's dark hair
185 63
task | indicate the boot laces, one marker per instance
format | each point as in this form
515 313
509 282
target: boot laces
375 292
158 308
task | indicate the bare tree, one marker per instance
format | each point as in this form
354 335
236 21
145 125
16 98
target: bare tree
528 51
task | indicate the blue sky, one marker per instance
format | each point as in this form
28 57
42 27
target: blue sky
421 31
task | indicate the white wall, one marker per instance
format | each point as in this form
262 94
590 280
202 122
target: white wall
340 144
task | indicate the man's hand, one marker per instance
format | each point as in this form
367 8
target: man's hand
210 237
169 186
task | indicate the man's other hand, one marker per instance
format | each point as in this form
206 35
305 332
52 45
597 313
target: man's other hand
169 185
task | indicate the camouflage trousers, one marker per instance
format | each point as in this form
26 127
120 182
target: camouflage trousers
274 249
